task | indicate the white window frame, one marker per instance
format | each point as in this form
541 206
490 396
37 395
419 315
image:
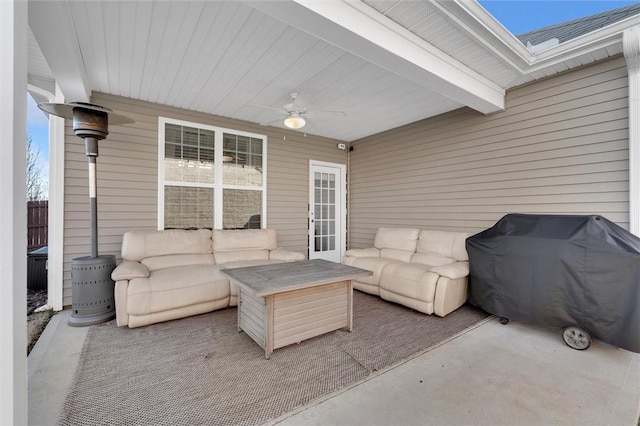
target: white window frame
218 186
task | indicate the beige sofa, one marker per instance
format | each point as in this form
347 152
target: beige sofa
173 274
423 270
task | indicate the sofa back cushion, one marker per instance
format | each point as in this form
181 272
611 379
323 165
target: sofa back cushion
443 243
431 259
173 260
397 243
138 245
243 244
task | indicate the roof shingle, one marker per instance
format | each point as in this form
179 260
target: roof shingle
572 29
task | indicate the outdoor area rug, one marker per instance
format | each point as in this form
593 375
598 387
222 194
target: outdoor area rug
200 370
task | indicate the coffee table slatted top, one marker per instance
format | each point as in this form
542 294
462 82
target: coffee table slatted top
265 280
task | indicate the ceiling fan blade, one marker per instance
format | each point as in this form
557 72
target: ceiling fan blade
280 110
270 122
309 126
330 113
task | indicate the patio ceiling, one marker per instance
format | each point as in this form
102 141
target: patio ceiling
384 63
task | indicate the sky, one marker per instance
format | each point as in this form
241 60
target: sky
38 129
518 16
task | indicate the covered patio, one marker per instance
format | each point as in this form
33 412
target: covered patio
489 374
432 113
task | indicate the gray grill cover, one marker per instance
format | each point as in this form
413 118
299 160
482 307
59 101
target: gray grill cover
557 271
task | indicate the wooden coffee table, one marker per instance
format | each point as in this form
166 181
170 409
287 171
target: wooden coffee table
285 303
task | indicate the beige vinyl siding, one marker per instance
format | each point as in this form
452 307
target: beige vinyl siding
128 178
560 147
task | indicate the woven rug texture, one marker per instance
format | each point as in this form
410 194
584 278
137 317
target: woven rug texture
200 370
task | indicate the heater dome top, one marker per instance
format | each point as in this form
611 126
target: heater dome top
66 111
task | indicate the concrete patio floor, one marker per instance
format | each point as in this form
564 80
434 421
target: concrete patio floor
494 374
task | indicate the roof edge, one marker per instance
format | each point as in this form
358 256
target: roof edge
471 17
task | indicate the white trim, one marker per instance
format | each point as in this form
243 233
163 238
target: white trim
13 215
632 56
39 94
218 177
480 25
586 43
343 202
55 273
161 127
218 188
52 25
357 28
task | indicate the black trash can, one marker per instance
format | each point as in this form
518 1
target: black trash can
37 269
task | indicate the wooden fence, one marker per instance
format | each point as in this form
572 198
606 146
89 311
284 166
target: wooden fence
37 224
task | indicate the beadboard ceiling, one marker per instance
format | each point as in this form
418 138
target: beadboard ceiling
227 57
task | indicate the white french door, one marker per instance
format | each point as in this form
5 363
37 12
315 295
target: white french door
327 210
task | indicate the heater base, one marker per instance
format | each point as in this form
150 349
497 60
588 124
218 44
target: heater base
93 300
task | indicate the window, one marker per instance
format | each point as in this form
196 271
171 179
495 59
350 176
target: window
210 177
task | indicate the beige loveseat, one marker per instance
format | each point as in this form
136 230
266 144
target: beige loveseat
423 270
173 274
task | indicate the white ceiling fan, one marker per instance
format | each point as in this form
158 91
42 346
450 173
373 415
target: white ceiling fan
295 114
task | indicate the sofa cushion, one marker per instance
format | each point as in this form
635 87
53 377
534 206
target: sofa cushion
173 260
453 271
411 285
223 257
431 259
444 243
372 264
128 270
175 288
285 255
244 239
248 262
137 245
397 238
410 280
365 252
401 255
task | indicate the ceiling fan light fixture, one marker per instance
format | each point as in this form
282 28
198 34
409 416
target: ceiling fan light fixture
294 121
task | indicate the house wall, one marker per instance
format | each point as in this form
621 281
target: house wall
559 147
128 178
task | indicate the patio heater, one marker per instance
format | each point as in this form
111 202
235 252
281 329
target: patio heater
93 300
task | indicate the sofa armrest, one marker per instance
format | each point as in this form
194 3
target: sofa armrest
129 270
452 271
120 295
285 255
366 252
